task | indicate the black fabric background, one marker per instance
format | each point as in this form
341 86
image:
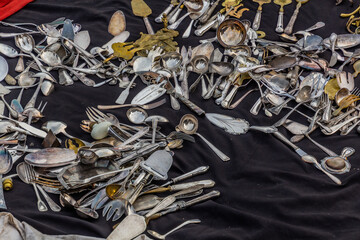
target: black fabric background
267 192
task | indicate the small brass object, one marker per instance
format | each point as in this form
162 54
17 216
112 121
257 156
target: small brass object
8 184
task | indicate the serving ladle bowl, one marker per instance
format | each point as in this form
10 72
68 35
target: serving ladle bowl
172 61
189 125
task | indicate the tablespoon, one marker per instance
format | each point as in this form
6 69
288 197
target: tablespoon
196 15
192 6
53 60
189 125
159 236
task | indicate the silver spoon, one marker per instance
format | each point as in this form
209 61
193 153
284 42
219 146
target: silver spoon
162 236
141 64
302 97
172 61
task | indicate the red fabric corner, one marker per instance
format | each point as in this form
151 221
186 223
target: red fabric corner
9 7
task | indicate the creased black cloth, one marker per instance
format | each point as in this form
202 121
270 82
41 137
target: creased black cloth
267 192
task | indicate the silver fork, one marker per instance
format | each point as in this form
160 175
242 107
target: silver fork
96 115
32 176
41 205
355 91
322 105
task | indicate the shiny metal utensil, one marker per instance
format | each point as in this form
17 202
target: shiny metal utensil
23 174
280 21
189 125
141 9
172 61
162 236
146 106
141 64
257 19
305 157
289 27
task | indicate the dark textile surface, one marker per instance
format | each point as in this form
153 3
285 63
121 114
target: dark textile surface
267 192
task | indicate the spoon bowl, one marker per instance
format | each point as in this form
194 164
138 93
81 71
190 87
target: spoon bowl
189 125
231 33
136 115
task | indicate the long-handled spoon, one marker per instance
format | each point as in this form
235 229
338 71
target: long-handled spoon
162 236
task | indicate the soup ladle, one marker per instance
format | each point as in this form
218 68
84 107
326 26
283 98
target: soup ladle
189 125
172 61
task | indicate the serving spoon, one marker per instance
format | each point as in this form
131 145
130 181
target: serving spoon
189 125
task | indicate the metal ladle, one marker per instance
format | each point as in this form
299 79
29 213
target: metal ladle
172 61
189 125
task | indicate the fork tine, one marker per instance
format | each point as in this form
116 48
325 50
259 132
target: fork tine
42 109
90 115
95 115
100 113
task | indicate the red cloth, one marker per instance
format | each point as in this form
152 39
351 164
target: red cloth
9 7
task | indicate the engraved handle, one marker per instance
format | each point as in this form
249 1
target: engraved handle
192 106
190 174
220 154
148 26
166 11
53 206
199 32
202 198
229 97
162 205
280 23
289 27
205 183
219 100
257 20
139 188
